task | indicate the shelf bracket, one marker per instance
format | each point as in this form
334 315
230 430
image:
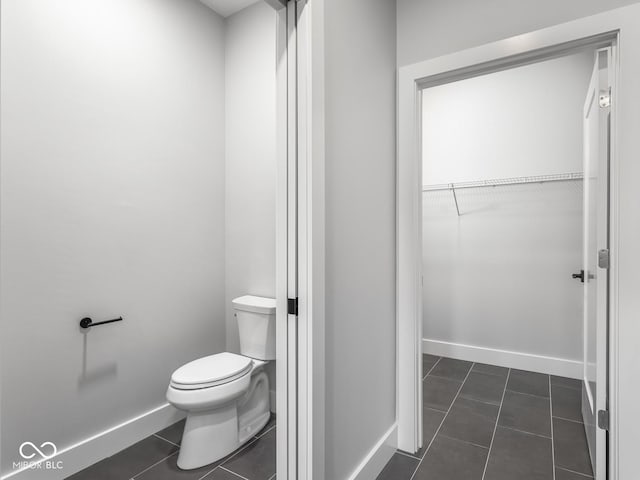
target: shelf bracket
455 198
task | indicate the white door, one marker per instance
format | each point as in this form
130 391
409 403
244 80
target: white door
597 110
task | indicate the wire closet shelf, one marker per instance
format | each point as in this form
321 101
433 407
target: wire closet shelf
561 177
498 182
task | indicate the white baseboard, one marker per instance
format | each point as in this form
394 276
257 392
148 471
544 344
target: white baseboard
104 444
504 358
378 457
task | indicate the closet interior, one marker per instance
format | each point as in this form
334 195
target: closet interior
502 242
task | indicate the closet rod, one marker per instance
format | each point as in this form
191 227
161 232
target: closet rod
505 181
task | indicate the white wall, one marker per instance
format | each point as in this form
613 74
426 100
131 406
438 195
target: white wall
112 204
360 229
430 28
518 122
499 276
250 157
250 160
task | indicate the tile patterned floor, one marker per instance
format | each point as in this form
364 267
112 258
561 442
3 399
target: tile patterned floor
154 458
482 422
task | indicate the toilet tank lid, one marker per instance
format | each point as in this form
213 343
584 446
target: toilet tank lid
249 303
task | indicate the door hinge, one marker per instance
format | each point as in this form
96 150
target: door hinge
604 98
603 419
292 306
603 258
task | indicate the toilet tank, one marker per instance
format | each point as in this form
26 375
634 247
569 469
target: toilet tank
256 318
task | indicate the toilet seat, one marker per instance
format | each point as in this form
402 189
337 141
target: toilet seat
211 371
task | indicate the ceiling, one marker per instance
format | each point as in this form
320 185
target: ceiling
227 7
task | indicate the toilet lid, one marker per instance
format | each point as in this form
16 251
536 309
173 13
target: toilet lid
212 370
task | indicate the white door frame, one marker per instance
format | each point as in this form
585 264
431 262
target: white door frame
285 453
300 241
311 241
622 27
596 184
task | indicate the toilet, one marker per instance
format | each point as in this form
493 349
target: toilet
226 396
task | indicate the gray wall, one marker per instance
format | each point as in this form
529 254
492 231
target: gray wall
112 204
430 28
360 229
250 160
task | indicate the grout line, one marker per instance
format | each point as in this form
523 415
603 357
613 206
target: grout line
208 473
233 454
464 441
555 385
439 409
446 378
480 401
441 423
567 419
495 427
489 373
577 473
502 377
431 369
153 465
231 471
527 394
553 449
168 441
435 409
547 437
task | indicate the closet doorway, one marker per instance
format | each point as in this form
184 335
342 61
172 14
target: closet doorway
503 277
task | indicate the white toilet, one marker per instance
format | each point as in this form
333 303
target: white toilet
226 396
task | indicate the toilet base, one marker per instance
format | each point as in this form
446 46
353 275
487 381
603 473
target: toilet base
210 435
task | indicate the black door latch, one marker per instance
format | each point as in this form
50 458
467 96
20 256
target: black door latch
579 275
292 306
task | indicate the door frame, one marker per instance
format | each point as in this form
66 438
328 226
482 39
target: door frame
309 15
284 452
300 240
592 401
616 27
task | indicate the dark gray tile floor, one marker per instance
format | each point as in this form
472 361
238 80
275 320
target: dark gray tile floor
155 457
483 422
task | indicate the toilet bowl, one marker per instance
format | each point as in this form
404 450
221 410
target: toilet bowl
226 395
